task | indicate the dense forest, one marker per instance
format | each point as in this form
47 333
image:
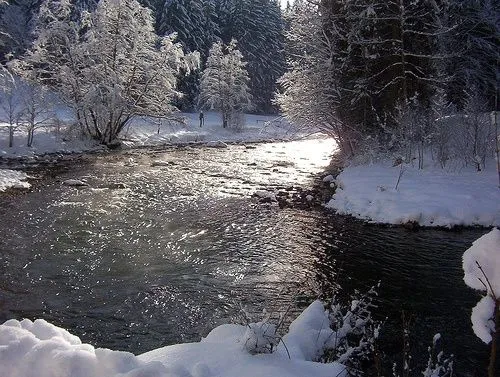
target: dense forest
373 74
257 25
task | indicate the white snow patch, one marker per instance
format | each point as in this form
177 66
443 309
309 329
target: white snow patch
481 265
430 197
481 317
484 251
12 178
39 349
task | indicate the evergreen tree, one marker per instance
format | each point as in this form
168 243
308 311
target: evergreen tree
258 25
16 27
475 45
196 29
224 83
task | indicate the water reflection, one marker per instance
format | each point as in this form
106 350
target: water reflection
177 245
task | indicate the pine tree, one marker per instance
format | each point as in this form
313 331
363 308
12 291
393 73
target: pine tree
475 45
224 83
16 27
258 25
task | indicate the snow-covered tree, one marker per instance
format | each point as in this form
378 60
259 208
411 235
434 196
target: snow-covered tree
310 93
195 24
10 103
36 110
108 65
224 83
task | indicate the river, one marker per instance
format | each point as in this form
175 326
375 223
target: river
166 244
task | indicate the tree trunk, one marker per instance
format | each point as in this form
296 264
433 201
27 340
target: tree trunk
29 142
11 136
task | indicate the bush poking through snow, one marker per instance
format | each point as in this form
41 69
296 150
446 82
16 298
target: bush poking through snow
260 337
438 365
344 334
354 332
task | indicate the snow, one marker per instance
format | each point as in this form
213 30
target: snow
481 265
429 197
12 179
29 349
256 128
481 318
484 251
146 132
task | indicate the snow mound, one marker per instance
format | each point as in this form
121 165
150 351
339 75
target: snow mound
12 178
309 333
484 251
39 349
429 197
481 264
482 319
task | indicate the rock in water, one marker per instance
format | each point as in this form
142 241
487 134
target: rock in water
75 183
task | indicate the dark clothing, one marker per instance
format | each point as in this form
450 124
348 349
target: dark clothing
202 118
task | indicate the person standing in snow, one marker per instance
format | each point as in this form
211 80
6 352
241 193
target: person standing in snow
202 118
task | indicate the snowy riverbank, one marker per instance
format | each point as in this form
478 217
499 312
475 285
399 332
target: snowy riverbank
429 197
141 133
149 132
29 349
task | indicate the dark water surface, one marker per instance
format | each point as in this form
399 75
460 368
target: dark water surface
184 246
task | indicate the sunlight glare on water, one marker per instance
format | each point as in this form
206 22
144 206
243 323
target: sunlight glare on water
166 244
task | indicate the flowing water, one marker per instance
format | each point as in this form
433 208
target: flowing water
166 244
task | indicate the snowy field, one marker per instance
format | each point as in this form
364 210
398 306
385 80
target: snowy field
256 128
148 132
430 197
39 349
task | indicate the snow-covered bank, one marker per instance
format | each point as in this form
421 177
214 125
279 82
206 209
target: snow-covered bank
29 349
150 132
429 197
12 179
